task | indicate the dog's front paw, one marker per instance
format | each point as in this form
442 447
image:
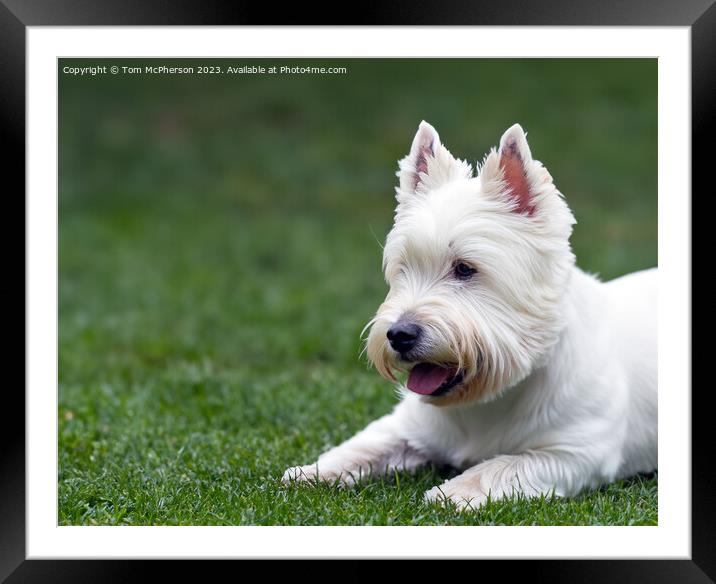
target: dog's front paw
465 495
304 474
312 474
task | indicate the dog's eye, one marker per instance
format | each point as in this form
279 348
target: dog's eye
463 271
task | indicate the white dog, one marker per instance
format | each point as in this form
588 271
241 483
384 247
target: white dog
526 372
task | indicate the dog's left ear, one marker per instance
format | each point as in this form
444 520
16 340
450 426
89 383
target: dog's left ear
429 164
521 177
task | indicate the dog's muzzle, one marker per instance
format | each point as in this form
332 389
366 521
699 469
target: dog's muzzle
404 337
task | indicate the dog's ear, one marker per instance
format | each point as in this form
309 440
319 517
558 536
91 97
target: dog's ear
513 172
429 163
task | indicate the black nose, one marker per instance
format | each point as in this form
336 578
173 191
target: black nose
403 336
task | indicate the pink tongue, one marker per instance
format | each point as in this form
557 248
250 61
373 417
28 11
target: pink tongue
425 378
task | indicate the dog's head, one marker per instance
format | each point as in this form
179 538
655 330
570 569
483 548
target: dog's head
477 268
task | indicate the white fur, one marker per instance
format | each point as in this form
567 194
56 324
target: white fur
560 369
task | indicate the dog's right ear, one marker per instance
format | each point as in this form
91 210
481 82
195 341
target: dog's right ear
429 163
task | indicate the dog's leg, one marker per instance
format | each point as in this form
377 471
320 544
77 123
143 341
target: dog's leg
376 450
532 473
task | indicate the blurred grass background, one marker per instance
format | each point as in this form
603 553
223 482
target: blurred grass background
219 255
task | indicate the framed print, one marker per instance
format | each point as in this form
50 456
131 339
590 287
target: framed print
228 220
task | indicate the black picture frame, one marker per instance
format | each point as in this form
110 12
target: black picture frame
17 15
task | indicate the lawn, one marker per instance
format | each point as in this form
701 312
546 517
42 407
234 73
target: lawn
219 254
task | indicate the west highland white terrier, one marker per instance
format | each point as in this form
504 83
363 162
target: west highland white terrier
523 371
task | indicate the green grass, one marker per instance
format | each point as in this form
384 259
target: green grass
219 256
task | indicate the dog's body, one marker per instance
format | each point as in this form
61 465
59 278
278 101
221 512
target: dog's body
526 372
